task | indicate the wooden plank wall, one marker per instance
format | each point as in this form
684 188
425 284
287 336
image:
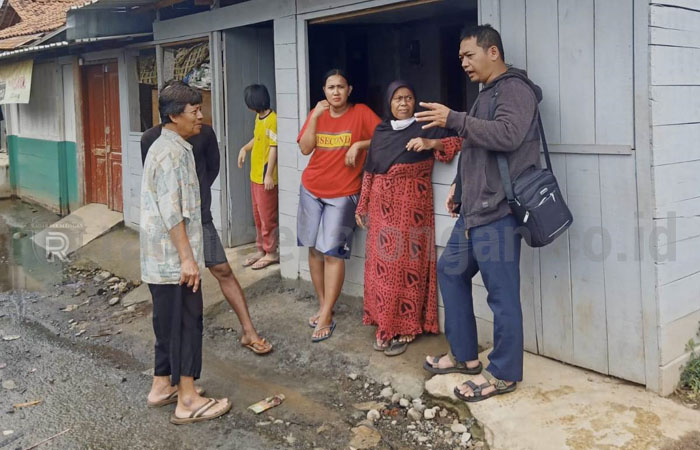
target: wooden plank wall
675 89
580 53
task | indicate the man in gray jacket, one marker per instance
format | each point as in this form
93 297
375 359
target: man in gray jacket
503 120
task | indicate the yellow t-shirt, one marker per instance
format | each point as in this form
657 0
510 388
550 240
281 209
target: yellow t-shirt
265 136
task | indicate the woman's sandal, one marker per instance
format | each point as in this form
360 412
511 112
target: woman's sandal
262 263
313 320
380 348
249 261
458 367
398 346
200 415
502 387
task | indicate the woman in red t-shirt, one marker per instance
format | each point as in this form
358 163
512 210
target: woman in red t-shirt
336 135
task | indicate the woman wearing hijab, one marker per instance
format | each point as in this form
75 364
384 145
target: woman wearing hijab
396 205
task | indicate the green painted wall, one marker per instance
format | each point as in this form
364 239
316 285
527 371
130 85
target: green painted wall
46 171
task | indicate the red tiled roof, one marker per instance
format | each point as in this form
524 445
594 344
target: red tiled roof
14 42
38 16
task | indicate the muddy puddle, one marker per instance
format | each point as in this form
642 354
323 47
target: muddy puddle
24 265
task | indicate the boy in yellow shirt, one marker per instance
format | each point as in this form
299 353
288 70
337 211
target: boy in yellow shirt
263 176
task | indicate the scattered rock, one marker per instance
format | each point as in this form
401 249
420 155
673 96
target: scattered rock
9 385
443 412
3 365
373 415
418 405
122 287
113 280
365 437
404 403
387 393
79 333
291 440
466 437
387 382
12 337
423 439
7 432
278 422
19 235
429 413
410 427
458 428
113 301
395 398
263 424
352 376
414 415
102 276
323 428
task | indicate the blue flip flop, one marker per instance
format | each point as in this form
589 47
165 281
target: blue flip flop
319 339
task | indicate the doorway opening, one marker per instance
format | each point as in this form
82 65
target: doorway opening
417 42
249 58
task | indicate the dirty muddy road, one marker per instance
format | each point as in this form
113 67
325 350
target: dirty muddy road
75 367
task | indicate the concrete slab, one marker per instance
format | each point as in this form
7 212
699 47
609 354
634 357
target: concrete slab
559 406
78 229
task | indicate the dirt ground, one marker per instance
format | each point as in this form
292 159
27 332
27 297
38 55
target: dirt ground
87 363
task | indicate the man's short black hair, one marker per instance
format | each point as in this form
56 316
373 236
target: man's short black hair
486 37
257 97
174 97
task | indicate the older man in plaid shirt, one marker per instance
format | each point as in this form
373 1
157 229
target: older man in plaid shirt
172 257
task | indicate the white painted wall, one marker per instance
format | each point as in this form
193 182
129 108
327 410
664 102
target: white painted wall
675 88
38 118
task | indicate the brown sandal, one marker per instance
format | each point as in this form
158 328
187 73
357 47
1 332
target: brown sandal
260 347
200 414
172 398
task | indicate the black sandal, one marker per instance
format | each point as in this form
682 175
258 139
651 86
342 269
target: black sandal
501 386
459 367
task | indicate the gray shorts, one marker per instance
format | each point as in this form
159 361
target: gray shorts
213 249
327 224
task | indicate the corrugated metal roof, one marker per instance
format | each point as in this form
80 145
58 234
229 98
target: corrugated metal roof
61 44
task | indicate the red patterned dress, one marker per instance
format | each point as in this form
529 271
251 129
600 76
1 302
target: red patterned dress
400 295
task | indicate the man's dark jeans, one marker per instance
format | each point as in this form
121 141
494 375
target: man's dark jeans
493 250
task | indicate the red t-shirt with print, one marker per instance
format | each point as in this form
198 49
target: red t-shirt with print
326 175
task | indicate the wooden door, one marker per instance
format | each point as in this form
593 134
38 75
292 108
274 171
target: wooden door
103 146
255 46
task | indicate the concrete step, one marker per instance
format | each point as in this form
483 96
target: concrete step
77 229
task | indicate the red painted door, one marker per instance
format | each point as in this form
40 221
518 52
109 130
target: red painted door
103 146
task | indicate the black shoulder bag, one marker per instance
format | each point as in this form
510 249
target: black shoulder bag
534 197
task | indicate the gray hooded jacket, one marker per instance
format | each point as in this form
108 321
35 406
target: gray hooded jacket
512 131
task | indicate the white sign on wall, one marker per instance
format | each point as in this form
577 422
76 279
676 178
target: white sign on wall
15 82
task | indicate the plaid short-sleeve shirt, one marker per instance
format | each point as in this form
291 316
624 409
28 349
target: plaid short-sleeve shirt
169 195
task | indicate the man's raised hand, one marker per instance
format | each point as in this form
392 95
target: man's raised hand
436 115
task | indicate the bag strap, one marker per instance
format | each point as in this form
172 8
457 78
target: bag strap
501 158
